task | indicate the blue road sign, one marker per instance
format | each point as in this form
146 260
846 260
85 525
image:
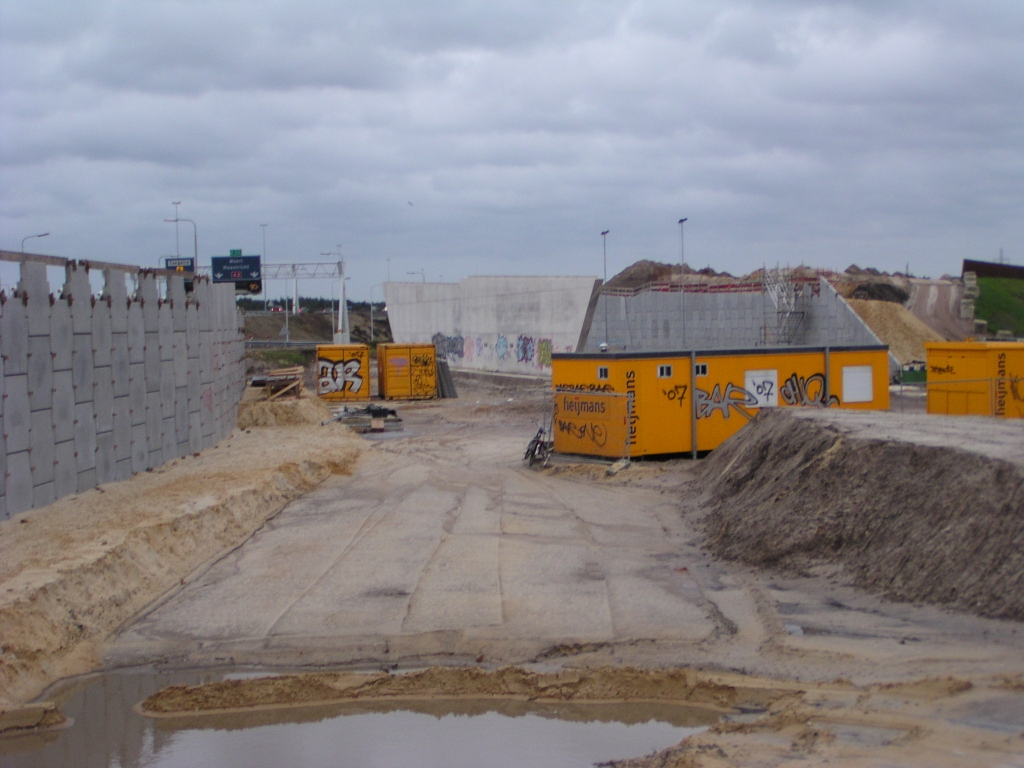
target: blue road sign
233 269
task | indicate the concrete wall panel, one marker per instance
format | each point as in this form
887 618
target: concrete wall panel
105 461
168 443
14 336
102 341
136 334
122 422
116 293
61 333
137 393
35 290
166 389
82 367
85 436
153 442
103 400
16 413
41 446
78 293
40 373
65 469
119 365
140 454
63 407
19 483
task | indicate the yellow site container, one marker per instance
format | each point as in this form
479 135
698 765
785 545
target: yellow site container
343 372
976 378
641 404
407 371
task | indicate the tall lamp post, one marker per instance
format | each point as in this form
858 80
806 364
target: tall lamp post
29 237
177 243
604 251
195 238
421 272
682 277
266 296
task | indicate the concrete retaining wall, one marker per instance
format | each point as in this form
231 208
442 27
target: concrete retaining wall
509 324
96 388
653 321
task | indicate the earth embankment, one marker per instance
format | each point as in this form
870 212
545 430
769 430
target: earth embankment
73 572
918 508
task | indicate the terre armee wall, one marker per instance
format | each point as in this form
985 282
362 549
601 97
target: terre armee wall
507 324
94 388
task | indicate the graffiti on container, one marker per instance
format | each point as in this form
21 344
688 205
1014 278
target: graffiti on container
448 346
525 349
584 388
480 346
1017 388
544 350
338 376
597 433
501 347
941 369
716 400
676 394
468 349
808 392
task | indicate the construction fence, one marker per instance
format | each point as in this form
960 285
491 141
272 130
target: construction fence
96 386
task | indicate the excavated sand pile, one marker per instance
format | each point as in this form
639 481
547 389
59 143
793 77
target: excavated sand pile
915 522
308 409
73 572
896 326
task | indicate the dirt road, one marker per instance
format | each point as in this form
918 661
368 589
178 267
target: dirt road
443 548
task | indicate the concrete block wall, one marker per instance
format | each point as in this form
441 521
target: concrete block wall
96 388
508 324
655 321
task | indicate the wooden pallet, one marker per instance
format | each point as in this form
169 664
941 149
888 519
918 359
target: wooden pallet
283 381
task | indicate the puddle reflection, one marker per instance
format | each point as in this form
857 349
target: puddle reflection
421 733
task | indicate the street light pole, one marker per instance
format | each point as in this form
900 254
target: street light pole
266 296
604 250
29 237
177 242
682 276
195 238
421 272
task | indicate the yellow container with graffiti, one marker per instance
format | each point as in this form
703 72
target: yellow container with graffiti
976 378
407 371
343 372
731 387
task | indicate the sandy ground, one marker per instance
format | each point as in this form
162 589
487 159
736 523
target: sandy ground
441 548
73 572
898 327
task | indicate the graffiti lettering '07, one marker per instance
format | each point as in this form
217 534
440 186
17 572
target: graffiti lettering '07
340 376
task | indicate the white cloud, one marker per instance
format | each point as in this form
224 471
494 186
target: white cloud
827 132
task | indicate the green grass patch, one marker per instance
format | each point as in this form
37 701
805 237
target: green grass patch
1001 303
281 358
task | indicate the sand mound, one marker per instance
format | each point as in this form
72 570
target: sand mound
912 521
896 326
73 572
601 684
282 413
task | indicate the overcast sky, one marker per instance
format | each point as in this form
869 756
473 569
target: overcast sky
501 137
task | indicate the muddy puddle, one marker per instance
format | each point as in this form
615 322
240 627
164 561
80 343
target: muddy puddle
106 731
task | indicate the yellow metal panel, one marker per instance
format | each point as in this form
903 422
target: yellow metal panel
407 371
976 378
343 372
730 390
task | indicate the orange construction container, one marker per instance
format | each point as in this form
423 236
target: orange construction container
343 372
976 378
635 404
407 371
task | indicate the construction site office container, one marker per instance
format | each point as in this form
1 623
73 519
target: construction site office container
343 372
641 404
406 371
976 378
